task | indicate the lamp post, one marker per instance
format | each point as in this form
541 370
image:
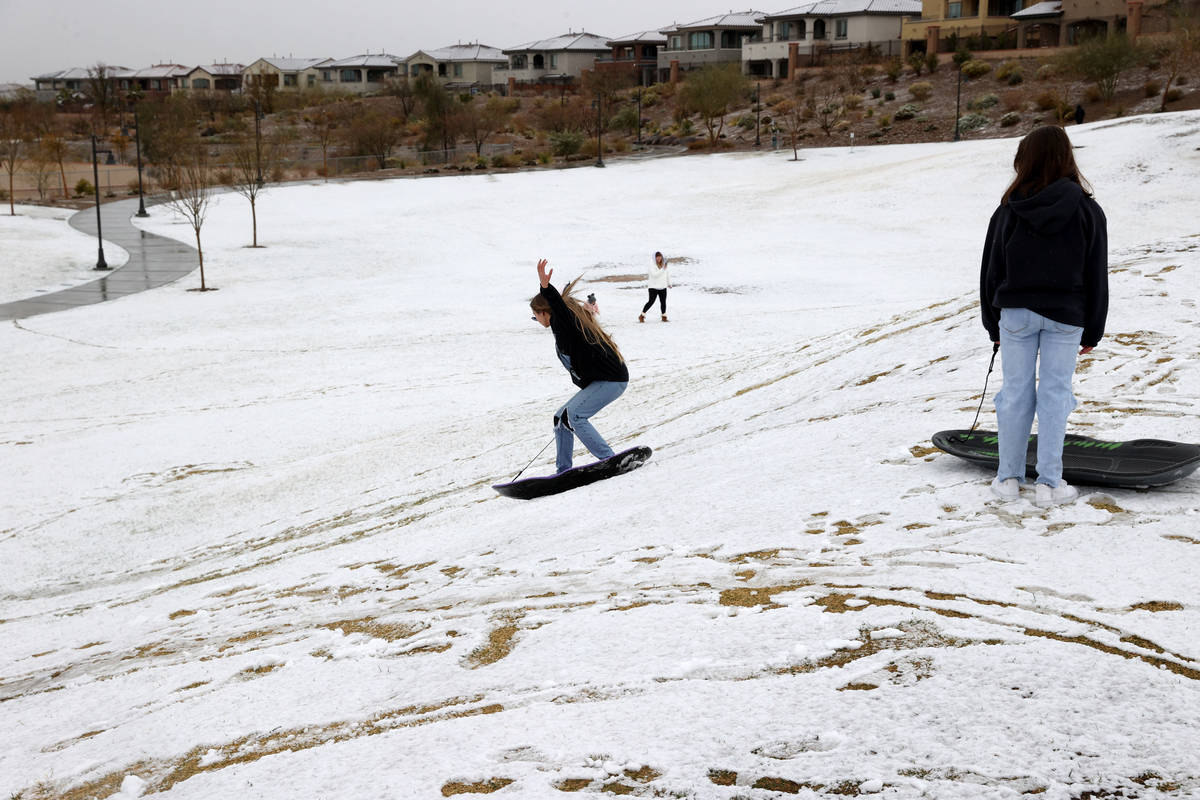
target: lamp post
100 262
958 101
137 144
599 134
639 104
757 114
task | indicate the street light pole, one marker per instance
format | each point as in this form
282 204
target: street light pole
137 143
639 104
757 114
958 101
599 134
258 142
100 262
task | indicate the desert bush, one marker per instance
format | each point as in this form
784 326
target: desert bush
545 157
565 143
132 186
1010 119
875 92
1047 100
852 101
1174 94
1013 100
906 111
931 62
976 69
886 122
893 69
1047 71
983 101
1151 88
1181 80
921 90
84 188
649 98
1016 79
1006 69
916 63
625 120
1093 94
889 96
503 161
970 122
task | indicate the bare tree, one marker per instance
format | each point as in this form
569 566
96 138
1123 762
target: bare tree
825 106
12 150
1181 52
100 91
55 149
794 116
261 86
479 123
43 168
374 134
252 165
323 123
403 91
190 178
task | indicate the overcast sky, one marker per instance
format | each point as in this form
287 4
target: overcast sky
43 36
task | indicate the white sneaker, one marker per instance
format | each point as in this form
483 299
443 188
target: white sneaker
1007 489
1063 493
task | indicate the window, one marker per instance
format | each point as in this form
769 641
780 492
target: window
783 30
954 11
700 40
839 28
458 70
649 51
290 80
518 62
349 76
802 29
819 29
327 75
628 54
441 70
539 61
731 40
198 83
554 61
676 43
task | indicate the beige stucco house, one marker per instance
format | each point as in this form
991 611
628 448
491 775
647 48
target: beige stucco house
459 66
214 78
713 40
560 60
286 74
361 74
798 36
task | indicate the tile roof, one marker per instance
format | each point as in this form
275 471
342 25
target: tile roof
583 41
841 7
383 60
465 52
1049 8
292 64
738 19
655 37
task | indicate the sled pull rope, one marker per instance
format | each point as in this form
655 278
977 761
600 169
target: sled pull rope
535 458
991 365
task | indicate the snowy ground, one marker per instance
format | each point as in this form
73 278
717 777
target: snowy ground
40 253
248 545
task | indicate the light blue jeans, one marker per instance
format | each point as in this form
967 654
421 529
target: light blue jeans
573 420
1023 335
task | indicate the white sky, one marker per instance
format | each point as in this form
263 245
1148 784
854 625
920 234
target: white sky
37 37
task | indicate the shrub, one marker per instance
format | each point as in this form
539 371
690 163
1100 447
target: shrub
1016 79
1013 100
852 102
624 120
649 98
84 188
906 111
889 96
1174 94
745 122
972 122
921 90
916 62
931 62
886 122
1181 80
983 101
1093 94
1152 88
976 69
503 161
1047 100
565 143
1006 69
1046 72
545 157
1010 119
876 92
132 186
893 69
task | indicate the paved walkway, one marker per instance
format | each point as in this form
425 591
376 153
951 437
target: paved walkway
153 261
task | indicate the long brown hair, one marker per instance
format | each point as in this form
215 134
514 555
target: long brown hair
1043 157
592 332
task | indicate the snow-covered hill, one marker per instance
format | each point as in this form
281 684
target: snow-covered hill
248 545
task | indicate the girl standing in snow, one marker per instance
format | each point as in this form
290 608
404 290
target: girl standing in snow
1044 292
658 280
590 356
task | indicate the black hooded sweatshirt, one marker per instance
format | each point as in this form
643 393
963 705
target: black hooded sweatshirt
585 361
1048 253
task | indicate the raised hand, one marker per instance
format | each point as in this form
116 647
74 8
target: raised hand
544 274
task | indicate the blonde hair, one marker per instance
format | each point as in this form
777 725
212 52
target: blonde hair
592 332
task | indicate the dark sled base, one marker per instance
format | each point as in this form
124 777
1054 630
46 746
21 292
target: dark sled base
1137 464
618 464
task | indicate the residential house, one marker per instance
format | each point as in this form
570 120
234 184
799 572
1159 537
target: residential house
158 80
942 24
459 66
73 81
560 60
714 40
637 54
12 91
801 35
214 78
361 74
287 74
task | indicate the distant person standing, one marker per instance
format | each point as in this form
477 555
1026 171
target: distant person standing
658 280
1078 114
1044 300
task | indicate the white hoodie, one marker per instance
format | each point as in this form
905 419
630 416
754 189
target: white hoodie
658 278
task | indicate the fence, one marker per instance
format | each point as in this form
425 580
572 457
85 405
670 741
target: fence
120 180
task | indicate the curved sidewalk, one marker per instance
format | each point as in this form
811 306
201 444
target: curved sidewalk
153 261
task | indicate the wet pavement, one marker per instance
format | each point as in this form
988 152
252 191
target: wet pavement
153 261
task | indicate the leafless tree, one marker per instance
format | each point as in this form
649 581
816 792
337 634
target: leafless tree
100 90
12 150
55 149
406 96
252 165
324 122
480 122
373 133
190 177
1180 51
824 105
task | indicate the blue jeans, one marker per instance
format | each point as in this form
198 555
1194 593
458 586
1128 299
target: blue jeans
573 420
1023 334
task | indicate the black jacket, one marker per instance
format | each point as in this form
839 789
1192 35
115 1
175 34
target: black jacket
588 362
1048 253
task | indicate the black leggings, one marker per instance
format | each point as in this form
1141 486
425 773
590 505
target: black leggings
662 300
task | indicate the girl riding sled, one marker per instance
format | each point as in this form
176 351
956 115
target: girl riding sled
592 359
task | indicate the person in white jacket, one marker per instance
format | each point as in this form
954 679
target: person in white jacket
658 280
